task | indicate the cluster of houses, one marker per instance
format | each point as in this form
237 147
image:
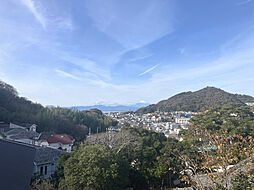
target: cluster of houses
169 123
44 149
251 104
26 133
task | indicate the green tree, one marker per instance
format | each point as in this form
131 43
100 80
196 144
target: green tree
94 167
59 120
41 184
242 182
168 165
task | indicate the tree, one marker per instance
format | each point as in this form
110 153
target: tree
150 156
41 184
94 167
59 174
55 119
242 182
215 134
126 141
168 165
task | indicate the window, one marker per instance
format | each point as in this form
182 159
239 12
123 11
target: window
46 170
41 170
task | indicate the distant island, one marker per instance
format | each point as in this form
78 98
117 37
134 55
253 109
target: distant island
115 108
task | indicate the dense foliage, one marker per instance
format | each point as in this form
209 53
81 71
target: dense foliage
141 159
197 101
148 160
76 123
230 118
242 181
94 167
223 137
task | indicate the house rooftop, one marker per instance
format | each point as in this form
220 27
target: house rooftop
16 163
60 138
21 134
26 125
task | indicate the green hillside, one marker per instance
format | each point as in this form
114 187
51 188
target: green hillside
76 123
197 101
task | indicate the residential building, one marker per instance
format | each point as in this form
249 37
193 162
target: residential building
45 161
26 133
19 162
16 165
58 141
182 120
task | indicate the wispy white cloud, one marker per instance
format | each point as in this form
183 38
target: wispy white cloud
30 4
223 64
47 16
243 2
85 64
79 59
67 75
149 70
133 27
138 58
182 50
63 23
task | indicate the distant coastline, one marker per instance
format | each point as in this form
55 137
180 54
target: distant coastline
108 109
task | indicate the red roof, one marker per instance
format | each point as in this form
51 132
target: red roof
62 138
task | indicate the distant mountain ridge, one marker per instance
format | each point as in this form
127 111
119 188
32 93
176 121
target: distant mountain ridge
115 108
200 100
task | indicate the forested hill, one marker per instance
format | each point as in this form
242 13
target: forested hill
76 123
197 101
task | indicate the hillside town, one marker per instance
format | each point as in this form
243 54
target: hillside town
169 123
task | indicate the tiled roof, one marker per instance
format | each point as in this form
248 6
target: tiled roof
43 135
42 154
59 138
26 125
21 134
46 155
14 131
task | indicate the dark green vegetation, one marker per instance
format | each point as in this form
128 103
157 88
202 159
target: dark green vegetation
197 101
242 181
95 167
142 160
230 119
76 123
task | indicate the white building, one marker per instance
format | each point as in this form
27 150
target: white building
182 120
45 161
25 133
28 127
250 104
58 141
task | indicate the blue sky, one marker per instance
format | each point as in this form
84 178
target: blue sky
85 52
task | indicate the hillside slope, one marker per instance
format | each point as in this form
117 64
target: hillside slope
197 101
18 109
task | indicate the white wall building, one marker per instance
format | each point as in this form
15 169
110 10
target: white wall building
182 120
58 141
